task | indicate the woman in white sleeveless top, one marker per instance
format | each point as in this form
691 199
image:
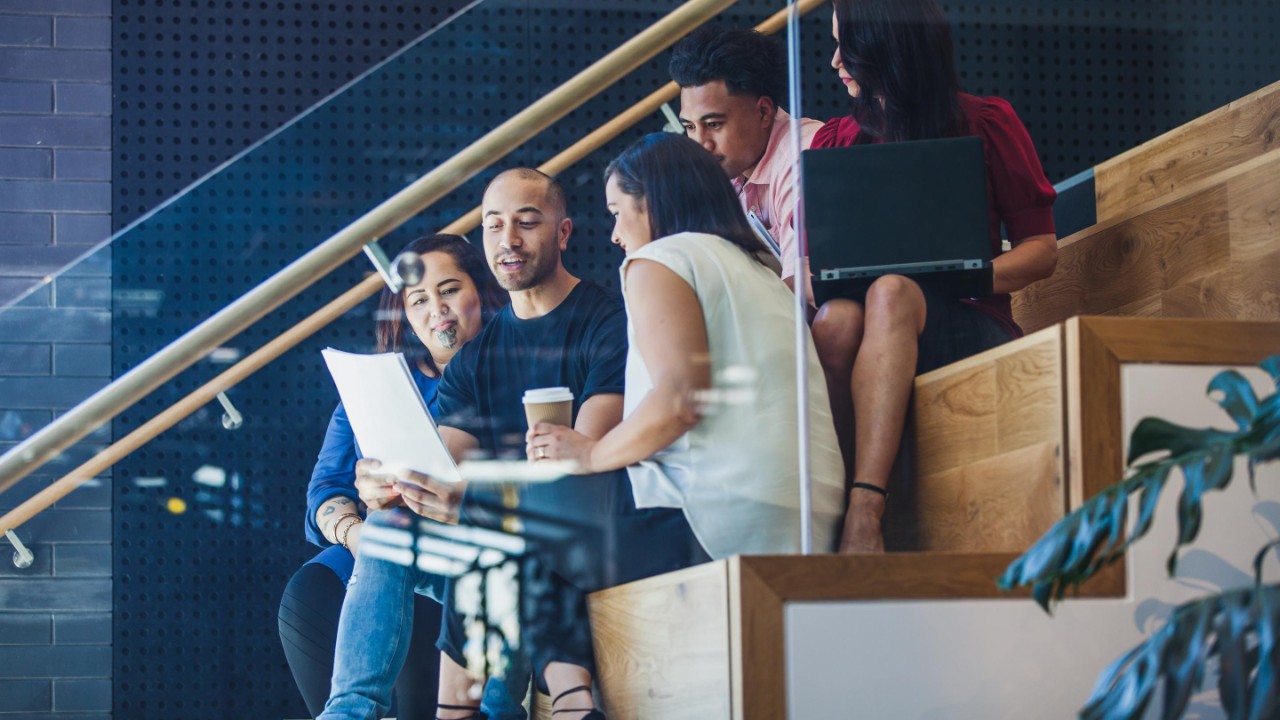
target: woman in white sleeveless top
710 418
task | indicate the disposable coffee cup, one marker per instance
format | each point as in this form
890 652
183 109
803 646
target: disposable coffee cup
549 405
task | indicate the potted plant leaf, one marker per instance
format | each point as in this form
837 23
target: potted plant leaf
1240 627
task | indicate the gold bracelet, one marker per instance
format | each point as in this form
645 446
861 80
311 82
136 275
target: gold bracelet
338 521
358 521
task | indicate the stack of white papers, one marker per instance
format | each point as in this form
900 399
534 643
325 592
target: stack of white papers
387 415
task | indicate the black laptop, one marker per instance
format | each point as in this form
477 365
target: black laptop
917 209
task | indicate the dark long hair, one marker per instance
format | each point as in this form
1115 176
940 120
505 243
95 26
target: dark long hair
393 324
685 188
900 51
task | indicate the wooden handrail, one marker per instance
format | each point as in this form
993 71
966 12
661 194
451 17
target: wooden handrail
330 312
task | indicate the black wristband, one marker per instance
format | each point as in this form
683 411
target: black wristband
873 488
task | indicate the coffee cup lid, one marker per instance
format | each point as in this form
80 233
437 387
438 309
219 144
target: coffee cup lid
545 395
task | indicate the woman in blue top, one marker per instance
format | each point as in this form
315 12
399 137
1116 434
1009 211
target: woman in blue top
428 322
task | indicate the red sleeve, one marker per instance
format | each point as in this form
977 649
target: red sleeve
840 132
1023 196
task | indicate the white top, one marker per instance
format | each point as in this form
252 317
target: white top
736 473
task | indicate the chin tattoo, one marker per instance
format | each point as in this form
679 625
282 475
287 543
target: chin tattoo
448 338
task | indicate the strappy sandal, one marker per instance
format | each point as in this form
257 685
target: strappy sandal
476 713
591 713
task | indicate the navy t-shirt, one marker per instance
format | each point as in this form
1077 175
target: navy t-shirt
581 345
585 527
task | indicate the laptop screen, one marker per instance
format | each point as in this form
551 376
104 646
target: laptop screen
904 204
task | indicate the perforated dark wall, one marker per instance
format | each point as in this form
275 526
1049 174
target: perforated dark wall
198 81
1092 78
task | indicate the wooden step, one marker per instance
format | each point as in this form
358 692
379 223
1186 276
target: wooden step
1210 249
708 642
1186 226
1190 153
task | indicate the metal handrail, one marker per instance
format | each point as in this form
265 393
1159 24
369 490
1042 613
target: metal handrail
327 314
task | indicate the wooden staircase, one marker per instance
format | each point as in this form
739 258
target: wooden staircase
1185 261
1187 227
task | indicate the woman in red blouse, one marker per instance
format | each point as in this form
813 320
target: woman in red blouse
895 58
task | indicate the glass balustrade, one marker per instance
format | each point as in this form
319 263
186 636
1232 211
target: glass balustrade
201 528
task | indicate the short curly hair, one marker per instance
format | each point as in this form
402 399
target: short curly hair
749 62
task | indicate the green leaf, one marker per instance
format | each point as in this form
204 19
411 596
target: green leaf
1237 397
1042 559
1233 676
1267 449
1182 662
1262 690
1085 541
1272 367
1125 688
1237 626
1093 536
1201 472
1260 558
1152 483
1154 435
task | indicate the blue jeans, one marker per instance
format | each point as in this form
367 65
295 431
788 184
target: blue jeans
373 640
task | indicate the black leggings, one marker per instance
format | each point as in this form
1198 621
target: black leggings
308 618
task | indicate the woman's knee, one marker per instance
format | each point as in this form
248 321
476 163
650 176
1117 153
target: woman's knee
837 330
895 299
314 595
308 625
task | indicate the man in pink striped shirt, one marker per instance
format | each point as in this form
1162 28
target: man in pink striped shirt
730 81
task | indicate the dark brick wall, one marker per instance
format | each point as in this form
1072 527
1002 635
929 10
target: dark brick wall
55 346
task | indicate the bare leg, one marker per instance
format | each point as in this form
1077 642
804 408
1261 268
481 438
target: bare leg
456 691
883 372
564 681
837 335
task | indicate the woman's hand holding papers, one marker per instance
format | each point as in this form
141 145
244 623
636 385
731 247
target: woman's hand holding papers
385 488
429 497
375 486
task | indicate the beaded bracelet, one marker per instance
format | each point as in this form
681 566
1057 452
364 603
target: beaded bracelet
358 521
338 522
